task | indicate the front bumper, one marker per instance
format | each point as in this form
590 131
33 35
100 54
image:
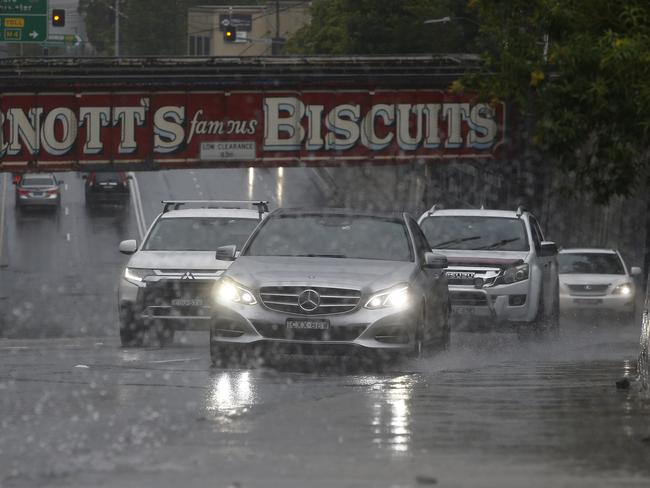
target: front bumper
382 329
499 303
605 303
195 312
44 201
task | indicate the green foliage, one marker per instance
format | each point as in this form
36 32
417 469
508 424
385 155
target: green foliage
383 27
589 95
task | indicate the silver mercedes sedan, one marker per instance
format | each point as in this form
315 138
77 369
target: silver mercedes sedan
311 280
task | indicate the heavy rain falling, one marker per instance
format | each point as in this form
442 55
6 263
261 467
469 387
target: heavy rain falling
324 243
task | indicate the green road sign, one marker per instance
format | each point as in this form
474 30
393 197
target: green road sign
24 20
73 39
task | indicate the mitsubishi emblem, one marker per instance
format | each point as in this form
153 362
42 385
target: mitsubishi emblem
309 300
187 276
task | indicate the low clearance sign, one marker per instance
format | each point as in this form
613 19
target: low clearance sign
63 131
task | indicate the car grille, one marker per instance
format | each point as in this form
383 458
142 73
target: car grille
280 331
588 289
331 300
466 276
468 298
161 293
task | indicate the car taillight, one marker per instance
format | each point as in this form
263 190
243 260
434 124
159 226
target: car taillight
22 192
53 192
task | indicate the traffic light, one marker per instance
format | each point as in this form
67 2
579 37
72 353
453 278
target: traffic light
58 17
230 34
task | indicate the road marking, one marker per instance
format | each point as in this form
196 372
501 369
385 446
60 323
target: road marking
165 361
65 186
136 198
197 186
2 215
67 211
67 237
200 193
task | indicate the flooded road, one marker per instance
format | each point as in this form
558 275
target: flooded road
491 412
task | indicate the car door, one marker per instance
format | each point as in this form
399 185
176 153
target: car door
433 282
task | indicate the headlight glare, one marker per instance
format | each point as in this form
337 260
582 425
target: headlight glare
228 291
397 297
136 275
624 289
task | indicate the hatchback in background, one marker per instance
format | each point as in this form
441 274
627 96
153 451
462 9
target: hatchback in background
107 187
596 280
38 190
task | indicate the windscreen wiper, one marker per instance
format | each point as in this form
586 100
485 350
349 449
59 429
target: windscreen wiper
320 255
498 244
440 245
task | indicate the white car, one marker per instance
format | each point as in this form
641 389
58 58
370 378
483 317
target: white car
501 269
169 278
596 280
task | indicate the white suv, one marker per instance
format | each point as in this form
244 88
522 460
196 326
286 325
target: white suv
168 280
500 267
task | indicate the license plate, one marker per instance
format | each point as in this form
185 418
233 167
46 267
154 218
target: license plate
587 301
37 193
187 302
463 310
308 324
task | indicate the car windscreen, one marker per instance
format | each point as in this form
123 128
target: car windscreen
337 236
107 177
476 233
590 263
198 234
38 181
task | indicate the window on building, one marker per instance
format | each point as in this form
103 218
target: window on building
199 45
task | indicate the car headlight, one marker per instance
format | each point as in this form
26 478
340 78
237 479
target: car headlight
623 289
397 297
229 291
516 273
136 275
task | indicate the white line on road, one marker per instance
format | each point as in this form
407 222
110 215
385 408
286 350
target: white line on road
165 361
67 211
65 187
68 237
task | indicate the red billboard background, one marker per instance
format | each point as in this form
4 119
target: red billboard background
156 130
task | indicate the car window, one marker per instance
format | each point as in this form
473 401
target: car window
38 181
108 176
590 263
343 236
537 234
198 234
475 233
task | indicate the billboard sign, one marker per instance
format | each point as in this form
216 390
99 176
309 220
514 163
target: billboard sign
23 20
151 130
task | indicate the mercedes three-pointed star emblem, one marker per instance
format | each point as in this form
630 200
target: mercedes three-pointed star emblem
309 300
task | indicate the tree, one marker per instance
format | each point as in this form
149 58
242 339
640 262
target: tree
580 69
382 27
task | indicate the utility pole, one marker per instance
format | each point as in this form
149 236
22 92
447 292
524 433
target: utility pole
276 42
117 28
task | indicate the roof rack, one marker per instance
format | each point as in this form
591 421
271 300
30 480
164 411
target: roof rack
520 210
436 206
262 205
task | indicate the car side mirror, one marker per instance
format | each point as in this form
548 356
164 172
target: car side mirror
129 246
226 253
435 261
129 177
635 271
548 249
84 177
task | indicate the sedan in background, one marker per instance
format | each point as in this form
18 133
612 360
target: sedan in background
38 190
596 280
332 279
107 187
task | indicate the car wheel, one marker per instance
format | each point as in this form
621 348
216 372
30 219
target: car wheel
546 325
445 341
419 345
131 329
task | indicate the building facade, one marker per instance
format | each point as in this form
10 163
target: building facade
261 29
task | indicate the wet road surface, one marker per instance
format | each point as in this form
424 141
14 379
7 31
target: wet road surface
491 412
